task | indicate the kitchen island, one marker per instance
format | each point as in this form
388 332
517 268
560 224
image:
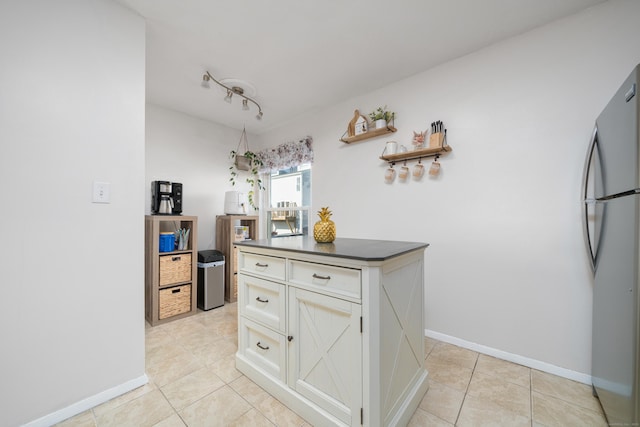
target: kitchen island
334 330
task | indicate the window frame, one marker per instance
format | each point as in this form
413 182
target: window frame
266 211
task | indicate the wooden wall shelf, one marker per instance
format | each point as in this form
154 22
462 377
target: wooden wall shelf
416 154
370 134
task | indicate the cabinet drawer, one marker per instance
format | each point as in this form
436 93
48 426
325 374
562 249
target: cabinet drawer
263 347
174 301
262 301
326 278
175 268
261 265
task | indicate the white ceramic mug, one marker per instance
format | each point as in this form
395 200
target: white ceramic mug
435 168
403 173
389 175
418 171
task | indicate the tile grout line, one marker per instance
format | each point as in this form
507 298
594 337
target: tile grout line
466 392
531 396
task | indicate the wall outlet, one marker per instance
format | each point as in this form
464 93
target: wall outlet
101 192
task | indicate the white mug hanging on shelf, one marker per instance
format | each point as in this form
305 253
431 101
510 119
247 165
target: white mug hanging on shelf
403 173
389 175
418 170
434 170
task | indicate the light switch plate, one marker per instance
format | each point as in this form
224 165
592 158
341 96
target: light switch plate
101 192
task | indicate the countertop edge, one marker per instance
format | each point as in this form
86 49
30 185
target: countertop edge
267 245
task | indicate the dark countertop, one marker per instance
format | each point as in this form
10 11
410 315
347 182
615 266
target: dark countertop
361 249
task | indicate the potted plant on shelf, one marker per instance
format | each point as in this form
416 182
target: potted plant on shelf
381 116
247 161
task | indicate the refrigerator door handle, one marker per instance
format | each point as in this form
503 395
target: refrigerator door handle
587 201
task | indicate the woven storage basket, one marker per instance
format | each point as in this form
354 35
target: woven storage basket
235 258
174 301
175 269
234 291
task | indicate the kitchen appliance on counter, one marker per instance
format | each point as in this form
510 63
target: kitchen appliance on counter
235 203
176 196
611 190
166 198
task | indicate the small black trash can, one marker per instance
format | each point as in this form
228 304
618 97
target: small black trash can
210 279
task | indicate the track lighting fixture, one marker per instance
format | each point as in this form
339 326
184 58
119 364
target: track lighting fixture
233 90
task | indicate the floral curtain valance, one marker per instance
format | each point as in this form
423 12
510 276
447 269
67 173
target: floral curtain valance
287 155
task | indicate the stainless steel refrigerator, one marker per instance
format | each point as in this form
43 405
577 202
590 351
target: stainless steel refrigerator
612 230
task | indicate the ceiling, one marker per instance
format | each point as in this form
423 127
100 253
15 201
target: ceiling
304 55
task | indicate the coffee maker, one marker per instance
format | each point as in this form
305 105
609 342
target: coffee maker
166 198
176 196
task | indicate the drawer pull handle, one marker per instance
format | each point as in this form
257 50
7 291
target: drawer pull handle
175 291
262 265
317 276
263 348
175 258
261 300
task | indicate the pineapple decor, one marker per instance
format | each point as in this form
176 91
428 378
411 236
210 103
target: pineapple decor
324 231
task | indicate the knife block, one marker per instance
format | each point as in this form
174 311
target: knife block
436 140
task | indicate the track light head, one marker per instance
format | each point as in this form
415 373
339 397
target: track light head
205 82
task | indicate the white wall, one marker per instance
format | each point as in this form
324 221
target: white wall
71 112
506 268
181 148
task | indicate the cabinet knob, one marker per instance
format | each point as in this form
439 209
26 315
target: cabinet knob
289 338
261 300
317 276
262 265
262 347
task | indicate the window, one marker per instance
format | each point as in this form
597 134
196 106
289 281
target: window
288 200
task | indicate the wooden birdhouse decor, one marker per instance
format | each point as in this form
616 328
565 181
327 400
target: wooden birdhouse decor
358 125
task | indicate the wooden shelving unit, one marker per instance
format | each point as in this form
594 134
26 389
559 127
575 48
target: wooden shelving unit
170 277
370 134
225 243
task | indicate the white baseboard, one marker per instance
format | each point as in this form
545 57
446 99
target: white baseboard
515 358
88 403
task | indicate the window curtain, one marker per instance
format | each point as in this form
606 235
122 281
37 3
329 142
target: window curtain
286 155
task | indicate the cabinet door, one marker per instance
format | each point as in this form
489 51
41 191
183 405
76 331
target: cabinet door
325 352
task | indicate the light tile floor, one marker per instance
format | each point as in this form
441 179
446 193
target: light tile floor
193 382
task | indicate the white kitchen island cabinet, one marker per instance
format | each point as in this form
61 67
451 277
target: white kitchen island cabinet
335 331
